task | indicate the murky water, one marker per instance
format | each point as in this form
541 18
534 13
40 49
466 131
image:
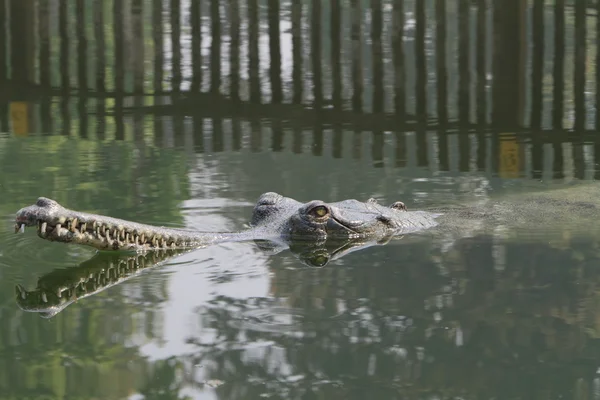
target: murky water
499 302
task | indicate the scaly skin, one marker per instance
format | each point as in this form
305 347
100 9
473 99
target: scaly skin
275 217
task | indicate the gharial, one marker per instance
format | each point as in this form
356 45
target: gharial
275 218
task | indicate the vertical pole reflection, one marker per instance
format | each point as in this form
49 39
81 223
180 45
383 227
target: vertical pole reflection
274 51
597 122
376 29
464 106
480 62
579 67
215 47
297 53
579 87
442 82
44 62
440 57
481 108
64 67
421 84
315 39
234 50
253 54
3 38
558 75
3 56
196 27
336 49
398 58
137 15
558 72
82 68
357 75
175 18
119 69
536 86
158 45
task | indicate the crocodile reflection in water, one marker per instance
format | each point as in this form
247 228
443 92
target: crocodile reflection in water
61 287
275 218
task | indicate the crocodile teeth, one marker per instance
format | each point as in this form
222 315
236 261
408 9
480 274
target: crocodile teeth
21 290
44 297
83 228
74 224
19 228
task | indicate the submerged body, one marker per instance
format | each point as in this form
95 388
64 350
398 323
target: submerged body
275 218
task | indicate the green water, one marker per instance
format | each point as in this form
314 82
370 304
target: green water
485 316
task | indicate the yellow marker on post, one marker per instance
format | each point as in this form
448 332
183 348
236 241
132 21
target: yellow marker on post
19 118
510 158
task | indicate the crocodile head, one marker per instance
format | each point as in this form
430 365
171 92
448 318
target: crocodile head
339 220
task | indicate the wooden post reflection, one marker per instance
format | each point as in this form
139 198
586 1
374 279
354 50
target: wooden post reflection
64 67
215 47
100 63
198 136
277 132
274 51
579 67
253 53
196 27
44 63
400 153
297 139
464 85
481 67
315 44
377 148
158 45
175 20
597 122
442 82
217 135
3 49
376 28
157 39
336 61
337 141
398 58
236 133
558 72
537 63
138 43
82 66
537 22
297 53
100 53
420 61
119 69
440 57
356 37
234 51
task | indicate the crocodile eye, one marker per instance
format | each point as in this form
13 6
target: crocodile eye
319 211
398 206
319 260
